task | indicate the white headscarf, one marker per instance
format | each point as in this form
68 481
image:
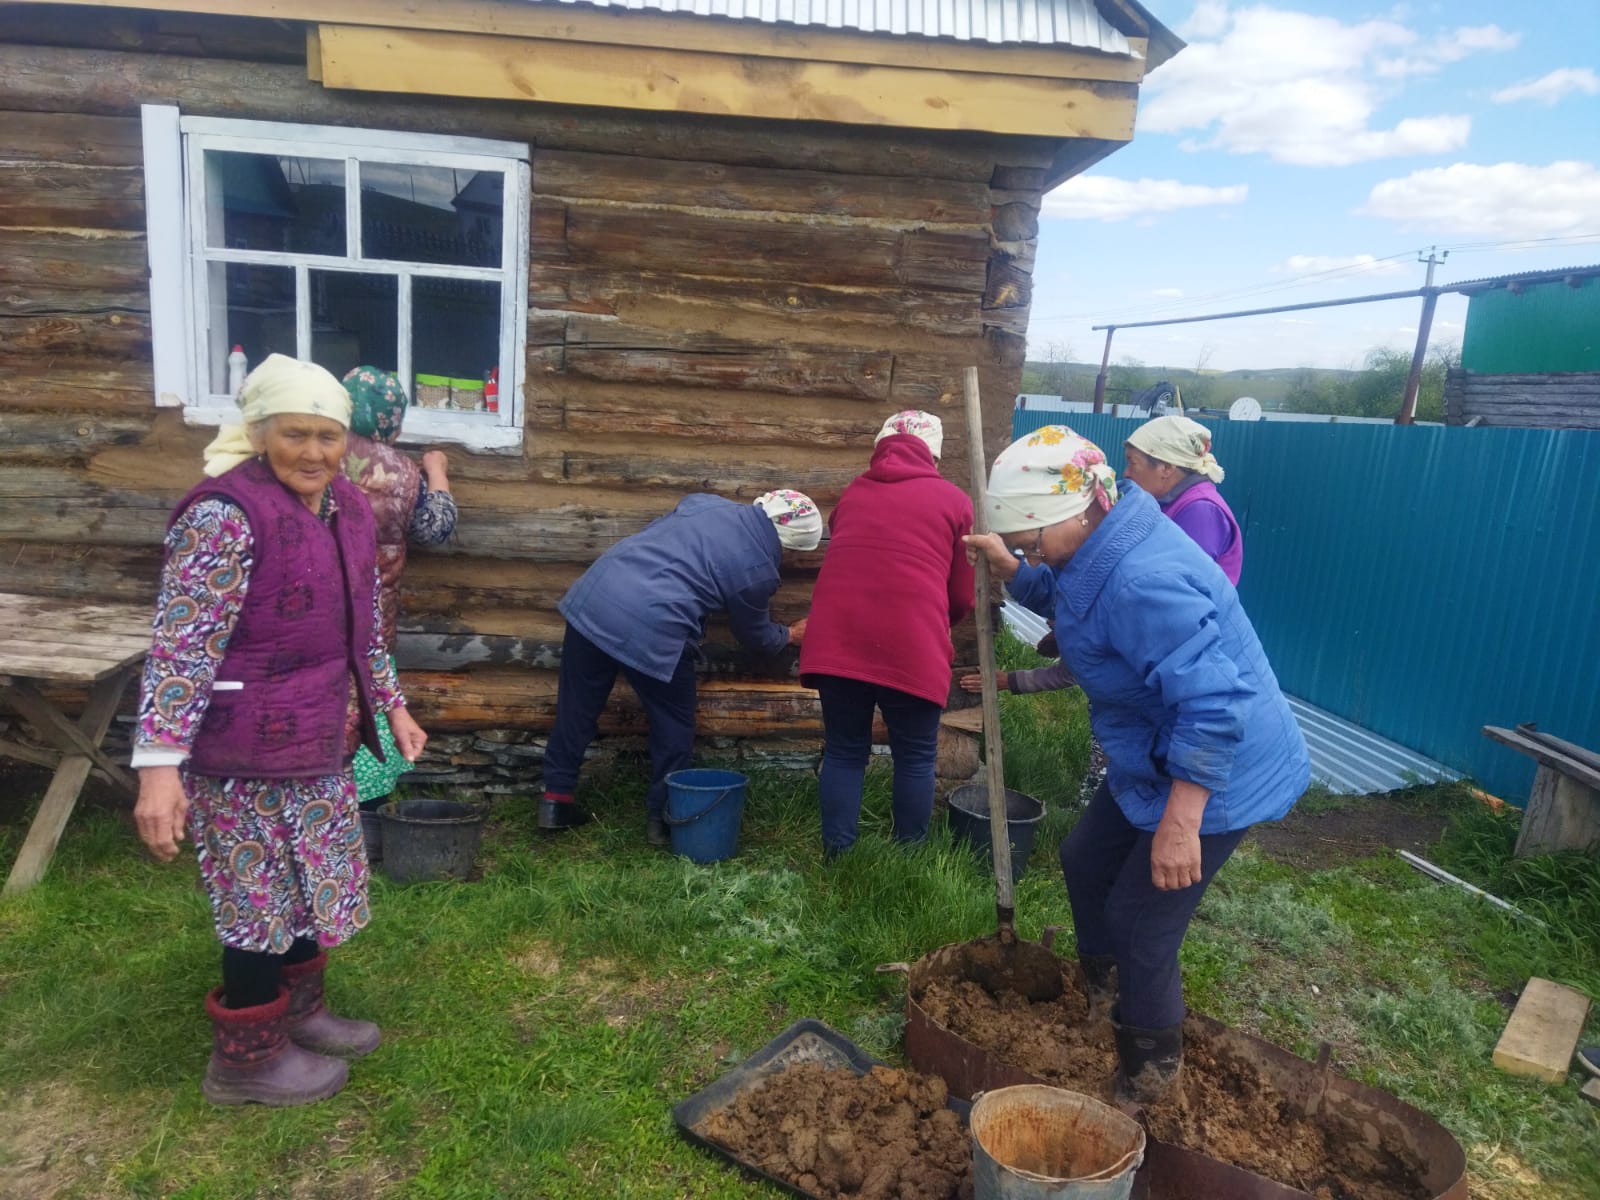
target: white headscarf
1050 476
279 385
796 518
918 424
1179 441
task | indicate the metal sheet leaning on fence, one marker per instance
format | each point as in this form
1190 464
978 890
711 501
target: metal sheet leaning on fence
1199 740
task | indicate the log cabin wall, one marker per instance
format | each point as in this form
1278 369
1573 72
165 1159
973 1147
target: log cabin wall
716 304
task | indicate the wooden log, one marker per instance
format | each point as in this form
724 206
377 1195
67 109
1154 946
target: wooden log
43 385
70 571
32 78
712 417
62 137
48 271
1016 222
508 698
47 504
190 34
63 195
1563 813
57 437
105 336
425 650
1007 285
1543 1031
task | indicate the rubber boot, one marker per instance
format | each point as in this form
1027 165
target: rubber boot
656 831
1148 1061
311 1026
558 810
1099 984
254 1062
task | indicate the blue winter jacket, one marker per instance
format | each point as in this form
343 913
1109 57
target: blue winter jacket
1178 685
647 598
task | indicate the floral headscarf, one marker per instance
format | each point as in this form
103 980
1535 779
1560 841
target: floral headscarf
1052 475
280 385
797 519
377 403
1179 441
918 424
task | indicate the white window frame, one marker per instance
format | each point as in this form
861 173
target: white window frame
176 207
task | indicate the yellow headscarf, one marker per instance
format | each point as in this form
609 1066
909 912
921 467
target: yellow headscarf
279 385
1179 441
1049 476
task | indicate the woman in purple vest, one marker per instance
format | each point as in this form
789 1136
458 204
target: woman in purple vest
1170 457
265 673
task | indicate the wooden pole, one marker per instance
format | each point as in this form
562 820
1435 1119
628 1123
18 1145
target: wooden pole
1430 298
1100 379
999 831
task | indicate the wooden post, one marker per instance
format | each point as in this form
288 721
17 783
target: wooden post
1563 813
1408 405
1100 379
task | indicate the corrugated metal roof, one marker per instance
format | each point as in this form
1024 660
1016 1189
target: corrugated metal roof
1554 273
1075 23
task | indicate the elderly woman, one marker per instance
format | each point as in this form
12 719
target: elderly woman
265 671
894 581
1170 457
411 506
1199 740
641 609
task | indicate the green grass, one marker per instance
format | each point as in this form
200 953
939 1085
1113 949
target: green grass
541 1022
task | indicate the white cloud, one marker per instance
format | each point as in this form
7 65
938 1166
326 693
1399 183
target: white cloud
1106 198
1170 293
1547 89
1304 89
1321 264
1510 200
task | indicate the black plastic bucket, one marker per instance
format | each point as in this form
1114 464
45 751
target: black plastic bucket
969 821
372 835
427 840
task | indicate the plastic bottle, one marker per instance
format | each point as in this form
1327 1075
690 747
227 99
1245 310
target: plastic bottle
491 391
238 367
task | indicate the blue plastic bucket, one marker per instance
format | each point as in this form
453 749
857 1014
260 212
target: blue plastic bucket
704 809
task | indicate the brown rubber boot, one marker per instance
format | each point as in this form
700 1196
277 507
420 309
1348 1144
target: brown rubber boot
254 1062
311 1026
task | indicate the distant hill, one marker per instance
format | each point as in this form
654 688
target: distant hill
1271 386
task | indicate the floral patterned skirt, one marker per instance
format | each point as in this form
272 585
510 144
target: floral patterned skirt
280 858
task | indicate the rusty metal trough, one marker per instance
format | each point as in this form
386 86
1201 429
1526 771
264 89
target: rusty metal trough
1173 1172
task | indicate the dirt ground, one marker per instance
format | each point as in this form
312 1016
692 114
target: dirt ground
832 1133
1316 840
1222 1107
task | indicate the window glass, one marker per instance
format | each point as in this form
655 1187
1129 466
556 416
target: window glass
355 320
455 338
252 307
431 214
267 202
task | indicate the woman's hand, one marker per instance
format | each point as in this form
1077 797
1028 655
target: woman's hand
974 682
1175 850
434 469
161 811
408 736
797 631
1002 563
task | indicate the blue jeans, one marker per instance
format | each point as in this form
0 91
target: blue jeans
1118 910
913 723
587 676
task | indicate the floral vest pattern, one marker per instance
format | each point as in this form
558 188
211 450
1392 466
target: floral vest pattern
391 481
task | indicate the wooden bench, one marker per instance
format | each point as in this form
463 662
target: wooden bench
98 646
1564 808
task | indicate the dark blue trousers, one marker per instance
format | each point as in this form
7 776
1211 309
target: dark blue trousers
913 724
587 676
1117 910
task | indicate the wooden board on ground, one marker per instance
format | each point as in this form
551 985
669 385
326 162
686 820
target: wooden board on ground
1543 1032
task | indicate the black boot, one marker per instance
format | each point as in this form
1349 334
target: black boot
1099 983
561 812
656 831
1149 1061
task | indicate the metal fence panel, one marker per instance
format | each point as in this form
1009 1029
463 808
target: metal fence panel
1420 581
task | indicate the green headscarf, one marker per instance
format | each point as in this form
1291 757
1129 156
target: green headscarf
377 403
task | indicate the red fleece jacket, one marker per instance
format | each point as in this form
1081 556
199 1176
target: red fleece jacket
894 578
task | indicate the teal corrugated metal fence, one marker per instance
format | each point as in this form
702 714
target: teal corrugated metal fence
1420 581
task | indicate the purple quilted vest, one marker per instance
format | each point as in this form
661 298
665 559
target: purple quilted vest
1231 557
303 633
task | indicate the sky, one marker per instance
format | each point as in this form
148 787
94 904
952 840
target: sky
1316 149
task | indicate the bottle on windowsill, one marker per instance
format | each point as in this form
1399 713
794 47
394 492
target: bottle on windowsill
238 368
491 390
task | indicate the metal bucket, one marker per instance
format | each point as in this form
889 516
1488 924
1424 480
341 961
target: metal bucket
1032 1142
426 840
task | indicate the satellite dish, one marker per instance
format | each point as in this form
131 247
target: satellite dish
1245 408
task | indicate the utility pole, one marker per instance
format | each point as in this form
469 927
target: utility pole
1430 297
1100 379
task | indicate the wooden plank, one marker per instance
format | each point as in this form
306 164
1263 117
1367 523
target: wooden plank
77 572
44 834
114 387
1544 754
691 81
106 335
46 663
63 271
57 195
65 137
1543 1031
1562 814
64 436
190 34
32 78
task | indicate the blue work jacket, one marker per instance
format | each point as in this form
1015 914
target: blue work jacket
646 600
1178 684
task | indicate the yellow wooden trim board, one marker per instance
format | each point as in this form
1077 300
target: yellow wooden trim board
661 80
512 18
1543 1032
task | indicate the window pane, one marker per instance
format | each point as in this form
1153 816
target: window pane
355 320
455 340
431 214
264 202
253 308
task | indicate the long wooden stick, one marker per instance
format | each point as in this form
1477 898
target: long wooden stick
999 830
